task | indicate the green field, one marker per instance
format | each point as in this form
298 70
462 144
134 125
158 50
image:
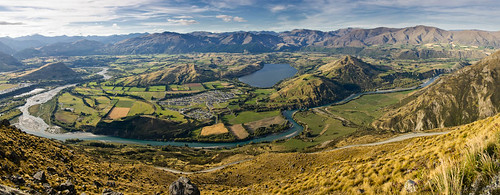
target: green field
249 116
137 89
140 107
125 103
366 109
157 88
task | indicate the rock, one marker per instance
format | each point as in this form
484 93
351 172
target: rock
410 186
70 187
17 179
110 192
40 177
10 191
5 123
183 186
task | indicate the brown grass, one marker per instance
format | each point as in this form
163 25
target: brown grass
239 131
252 126
216 129
193 85
117 113
382 169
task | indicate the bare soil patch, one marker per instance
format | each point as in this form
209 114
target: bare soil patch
252 126
239 131
118 112
218 128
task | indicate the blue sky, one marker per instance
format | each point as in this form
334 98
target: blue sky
105 17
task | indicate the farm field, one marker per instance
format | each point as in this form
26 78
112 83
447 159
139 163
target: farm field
249 116
366 109
239 131
216 129
266 122
118 112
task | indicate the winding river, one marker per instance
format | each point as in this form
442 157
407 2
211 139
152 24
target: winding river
36 126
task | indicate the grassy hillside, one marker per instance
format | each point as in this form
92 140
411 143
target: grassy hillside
187 73
462 156
309 90
352 70
24 155
465 96
51 71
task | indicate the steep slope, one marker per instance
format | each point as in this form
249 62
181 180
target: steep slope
465 96
351 70
309 90
411 166
52 71
188 73
8 63
66 170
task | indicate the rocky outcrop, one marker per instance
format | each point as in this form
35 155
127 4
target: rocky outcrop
467 95
40 177
183 186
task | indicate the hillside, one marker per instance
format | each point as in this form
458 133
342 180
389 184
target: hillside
51 71
36 164
6 49
467 95
188 73
351 70
8 63
309 90
454 163
77 48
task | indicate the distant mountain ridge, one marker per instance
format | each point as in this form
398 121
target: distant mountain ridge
169 42
8 63
255 42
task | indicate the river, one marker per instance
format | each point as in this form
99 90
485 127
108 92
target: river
36 126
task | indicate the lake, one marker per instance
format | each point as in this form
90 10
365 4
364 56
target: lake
269 75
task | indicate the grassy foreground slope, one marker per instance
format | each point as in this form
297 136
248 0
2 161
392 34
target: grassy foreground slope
24 155
446 163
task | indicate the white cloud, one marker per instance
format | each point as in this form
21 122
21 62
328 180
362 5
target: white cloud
277 8
220 4
238 19
182 22
58 17
183 17
227 18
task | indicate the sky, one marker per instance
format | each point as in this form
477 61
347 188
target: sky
107 17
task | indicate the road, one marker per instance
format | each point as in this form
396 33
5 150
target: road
395 139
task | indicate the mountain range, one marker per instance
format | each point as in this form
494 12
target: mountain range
255 42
